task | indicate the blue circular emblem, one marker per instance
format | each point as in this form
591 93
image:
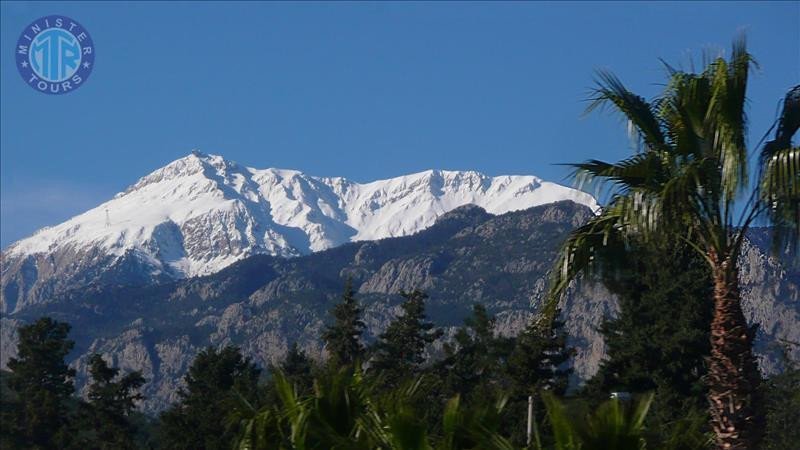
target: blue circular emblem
55 55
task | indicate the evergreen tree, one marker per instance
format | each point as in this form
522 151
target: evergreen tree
41 382
215 381
400 350
538 360
298 369
111 404
536 364
782 403
475 361
343 337
9 405
659 340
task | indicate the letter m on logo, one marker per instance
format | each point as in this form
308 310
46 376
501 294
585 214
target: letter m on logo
22 50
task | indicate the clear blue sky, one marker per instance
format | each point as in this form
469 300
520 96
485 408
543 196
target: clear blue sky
362 90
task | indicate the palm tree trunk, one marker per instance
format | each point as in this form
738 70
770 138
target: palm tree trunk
733 377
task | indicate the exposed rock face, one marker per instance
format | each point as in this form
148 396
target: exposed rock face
8 340
38 278
201 213
264 303
771 298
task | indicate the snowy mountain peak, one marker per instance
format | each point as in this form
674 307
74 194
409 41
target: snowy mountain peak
201 213
195 163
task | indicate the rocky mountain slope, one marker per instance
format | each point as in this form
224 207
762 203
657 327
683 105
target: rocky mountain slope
201 213
264 303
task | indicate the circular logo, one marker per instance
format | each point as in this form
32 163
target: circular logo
54 55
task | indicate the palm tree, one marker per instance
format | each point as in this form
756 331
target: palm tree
613 425
345 412
689 181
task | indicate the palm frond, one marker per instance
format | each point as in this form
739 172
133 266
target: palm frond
780 177
695 160
636 110
682 111
476 426
563 432
726 116
641 171
589 250
612 425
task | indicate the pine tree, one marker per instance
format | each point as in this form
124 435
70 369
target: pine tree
343 337
400 350
475 362
298 369
42 384
536 364
111 404
659 341
782 402
215 381
538 359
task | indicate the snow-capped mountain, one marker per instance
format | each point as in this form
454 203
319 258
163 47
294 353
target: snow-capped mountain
201 213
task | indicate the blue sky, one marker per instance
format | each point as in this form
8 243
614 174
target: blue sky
362 90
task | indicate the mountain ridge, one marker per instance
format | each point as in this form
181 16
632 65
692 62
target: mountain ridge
200 213
265 303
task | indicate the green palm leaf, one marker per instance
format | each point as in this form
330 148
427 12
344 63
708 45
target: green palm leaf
780 179
684 182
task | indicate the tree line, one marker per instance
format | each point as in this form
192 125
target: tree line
391 394
41 410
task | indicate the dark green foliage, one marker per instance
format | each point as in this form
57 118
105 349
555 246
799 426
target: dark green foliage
539 359
9 403
475 397
473 368
343 337
659 342
499 259
346 412
660 338
475 362
479 366
613 425
298 369
688 182
782 406
41 383
216 381
112 401
400 350
538 363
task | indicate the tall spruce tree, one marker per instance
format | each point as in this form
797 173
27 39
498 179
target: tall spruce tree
538 359
400 350
42 385
475 361
112 401
343 336
216 380
659 341
298 368
537 363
